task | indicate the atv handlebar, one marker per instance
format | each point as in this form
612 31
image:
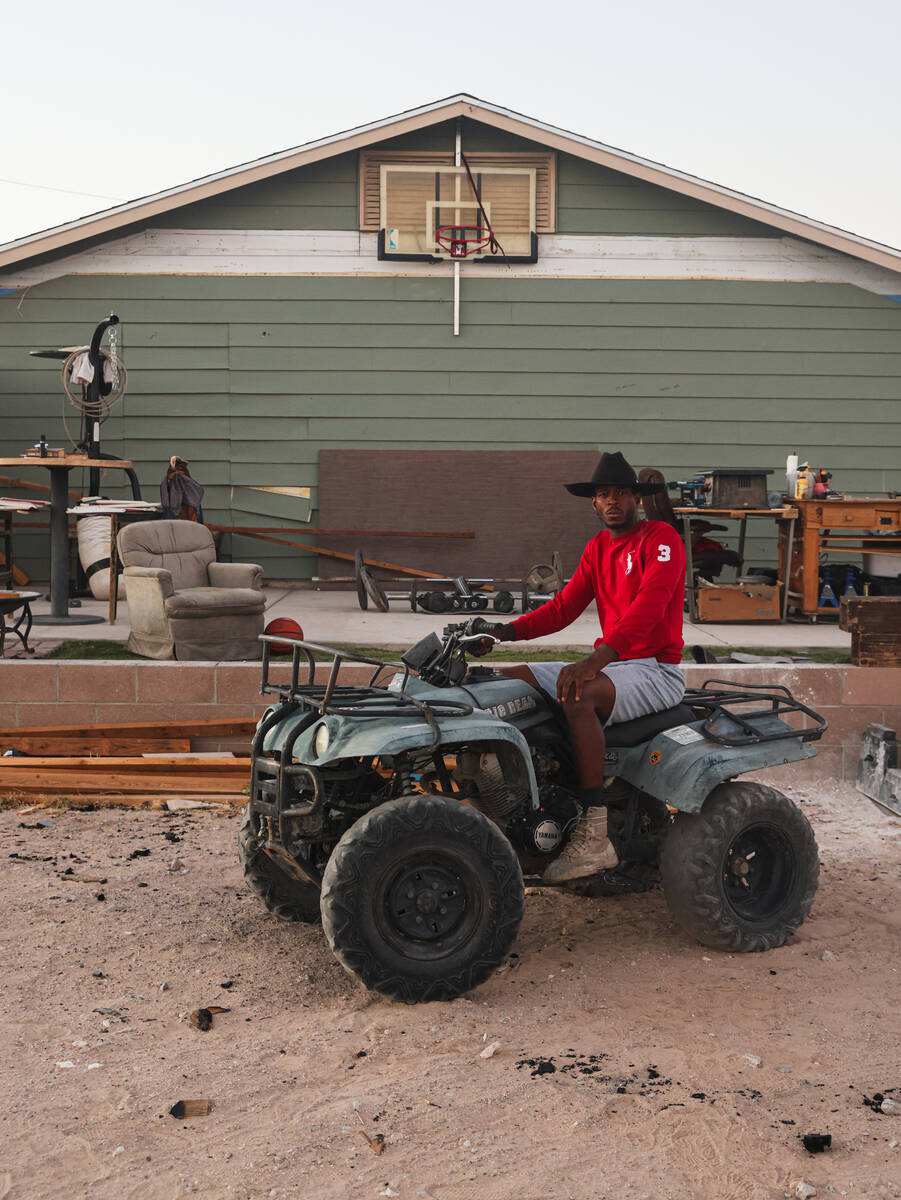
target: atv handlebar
475 627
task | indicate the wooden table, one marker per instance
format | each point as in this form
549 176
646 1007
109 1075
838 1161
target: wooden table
845 526
785 516
59 469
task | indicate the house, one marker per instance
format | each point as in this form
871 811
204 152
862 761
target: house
310 373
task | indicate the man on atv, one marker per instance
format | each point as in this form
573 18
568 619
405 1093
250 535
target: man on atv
635 571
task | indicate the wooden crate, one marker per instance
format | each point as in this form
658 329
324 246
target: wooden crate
738 602
874 623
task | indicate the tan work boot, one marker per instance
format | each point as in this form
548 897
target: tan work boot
588 850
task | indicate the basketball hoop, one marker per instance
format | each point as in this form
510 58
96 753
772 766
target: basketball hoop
462 240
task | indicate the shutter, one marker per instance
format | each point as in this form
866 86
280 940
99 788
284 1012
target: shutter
543 162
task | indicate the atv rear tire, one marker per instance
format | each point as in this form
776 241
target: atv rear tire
741 875
422 898
283 896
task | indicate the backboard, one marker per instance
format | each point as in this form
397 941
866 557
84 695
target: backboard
434 214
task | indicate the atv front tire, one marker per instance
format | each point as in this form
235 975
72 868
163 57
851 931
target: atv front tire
288 899
741 875
422 898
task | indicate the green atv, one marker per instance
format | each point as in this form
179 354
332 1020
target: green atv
405 813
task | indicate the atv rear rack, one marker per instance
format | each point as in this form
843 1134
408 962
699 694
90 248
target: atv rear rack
761 724
355 700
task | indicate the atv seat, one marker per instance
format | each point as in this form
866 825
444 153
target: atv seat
642 729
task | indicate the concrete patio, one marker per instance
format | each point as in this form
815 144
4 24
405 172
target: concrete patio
335 616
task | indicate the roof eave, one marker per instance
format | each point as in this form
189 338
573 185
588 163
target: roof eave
431 114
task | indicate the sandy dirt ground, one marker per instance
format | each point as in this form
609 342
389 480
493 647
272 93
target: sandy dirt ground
621 1071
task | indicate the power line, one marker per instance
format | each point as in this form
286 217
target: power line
66 191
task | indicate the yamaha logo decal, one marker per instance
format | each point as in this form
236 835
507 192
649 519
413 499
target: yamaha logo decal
547 836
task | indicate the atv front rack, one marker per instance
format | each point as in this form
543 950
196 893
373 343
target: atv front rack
355 700
731 728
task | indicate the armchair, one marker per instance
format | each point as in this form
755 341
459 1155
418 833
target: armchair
181 602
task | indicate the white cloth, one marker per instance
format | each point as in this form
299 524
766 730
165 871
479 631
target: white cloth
83 372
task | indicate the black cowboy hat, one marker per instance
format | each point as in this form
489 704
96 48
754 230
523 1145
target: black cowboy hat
614 471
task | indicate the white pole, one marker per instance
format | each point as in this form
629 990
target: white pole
458 156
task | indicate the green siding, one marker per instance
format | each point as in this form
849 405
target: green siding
590 199
593 199
320 196
250 378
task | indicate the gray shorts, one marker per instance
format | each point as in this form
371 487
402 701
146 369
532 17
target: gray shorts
643 685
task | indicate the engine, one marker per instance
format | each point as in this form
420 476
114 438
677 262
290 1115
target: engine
481 776
537 833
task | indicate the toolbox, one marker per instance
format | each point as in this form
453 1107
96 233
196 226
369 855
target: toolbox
743 488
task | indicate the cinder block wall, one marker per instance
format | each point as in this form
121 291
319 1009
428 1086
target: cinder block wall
80 693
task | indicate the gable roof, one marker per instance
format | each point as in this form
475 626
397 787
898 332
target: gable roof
462 105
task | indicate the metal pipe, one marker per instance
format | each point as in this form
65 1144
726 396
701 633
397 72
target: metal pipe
59 542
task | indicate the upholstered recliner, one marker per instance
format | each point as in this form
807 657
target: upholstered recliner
184 604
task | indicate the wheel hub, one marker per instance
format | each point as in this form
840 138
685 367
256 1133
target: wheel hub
758 872
426 903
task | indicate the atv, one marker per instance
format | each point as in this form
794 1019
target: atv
405 814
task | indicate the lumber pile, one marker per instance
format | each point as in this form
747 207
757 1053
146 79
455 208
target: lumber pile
874 623
131 764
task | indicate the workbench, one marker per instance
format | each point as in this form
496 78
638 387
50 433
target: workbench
785 518
841 526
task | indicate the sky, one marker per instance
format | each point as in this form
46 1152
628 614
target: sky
793 102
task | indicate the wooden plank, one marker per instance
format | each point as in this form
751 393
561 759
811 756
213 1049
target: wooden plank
78 783
386 566
67 460
407 533
155 765
110 747
206 728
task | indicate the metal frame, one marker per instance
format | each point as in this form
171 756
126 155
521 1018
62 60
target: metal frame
273 780
435 253
780 701
785 517
349 700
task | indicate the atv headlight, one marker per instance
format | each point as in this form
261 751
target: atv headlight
321 740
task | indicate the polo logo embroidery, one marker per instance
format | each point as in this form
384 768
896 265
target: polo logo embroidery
629 563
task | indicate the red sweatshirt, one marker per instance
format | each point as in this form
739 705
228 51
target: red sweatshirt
638 581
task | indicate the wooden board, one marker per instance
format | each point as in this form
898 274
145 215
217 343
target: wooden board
138 730
156 765
103 745
514 501
75 783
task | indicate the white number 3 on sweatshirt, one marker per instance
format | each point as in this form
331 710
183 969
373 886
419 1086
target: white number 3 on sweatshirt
663 552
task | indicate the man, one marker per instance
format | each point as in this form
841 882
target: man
635 571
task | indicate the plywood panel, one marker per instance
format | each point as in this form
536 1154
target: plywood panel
514 500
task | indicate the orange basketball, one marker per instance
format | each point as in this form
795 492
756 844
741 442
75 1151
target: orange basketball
283 627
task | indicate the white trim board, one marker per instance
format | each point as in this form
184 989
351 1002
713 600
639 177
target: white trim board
259 252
